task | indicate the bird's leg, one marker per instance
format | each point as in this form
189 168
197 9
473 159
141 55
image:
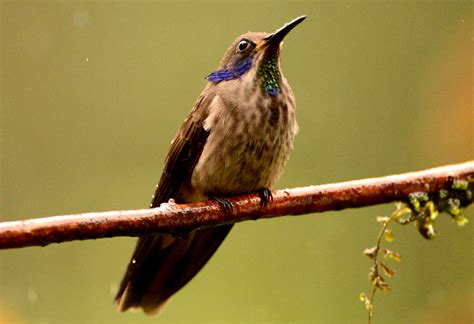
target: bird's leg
266 196
223 203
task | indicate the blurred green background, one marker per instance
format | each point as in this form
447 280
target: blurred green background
93 92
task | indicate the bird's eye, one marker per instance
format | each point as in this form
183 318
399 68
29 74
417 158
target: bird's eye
243 45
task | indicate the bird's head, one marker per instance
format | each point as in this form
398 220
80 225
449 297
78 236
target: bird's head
258 51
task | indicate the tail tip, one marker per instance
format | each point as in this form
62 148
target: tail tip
124 303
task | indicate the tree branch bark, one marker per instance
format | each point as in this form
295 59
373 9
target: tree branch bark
173 218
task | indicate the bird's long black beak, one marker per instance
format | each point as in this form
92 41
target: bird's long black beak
276 37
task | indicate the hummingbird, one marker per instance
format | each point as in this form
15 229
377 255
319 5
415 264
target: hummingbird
236 140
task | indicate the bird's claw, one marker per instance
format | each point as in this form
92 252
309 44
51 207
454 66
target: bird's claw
224 204
266 197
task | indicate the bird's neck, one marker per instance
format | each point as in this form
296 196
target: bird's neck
268 73
238 69
269 76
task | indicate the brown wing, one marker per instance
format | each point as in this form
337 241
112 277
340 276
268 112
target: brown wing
184 153
156 256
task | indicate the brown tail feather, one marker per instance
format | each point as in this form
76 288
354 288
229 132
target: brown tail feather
163 264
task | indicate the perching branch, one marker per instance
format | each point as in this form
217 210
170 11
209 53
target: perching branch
173 218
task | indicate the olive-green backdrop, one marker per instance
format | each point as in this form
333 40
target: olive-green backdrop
93 92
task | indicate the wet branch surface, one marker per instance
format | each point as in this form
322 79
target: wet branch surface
176 219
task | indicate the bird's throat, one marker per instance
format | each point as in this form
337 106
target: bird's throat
269 76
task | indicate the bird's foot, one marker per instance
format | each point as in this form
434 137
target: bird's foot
266 196
224 204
